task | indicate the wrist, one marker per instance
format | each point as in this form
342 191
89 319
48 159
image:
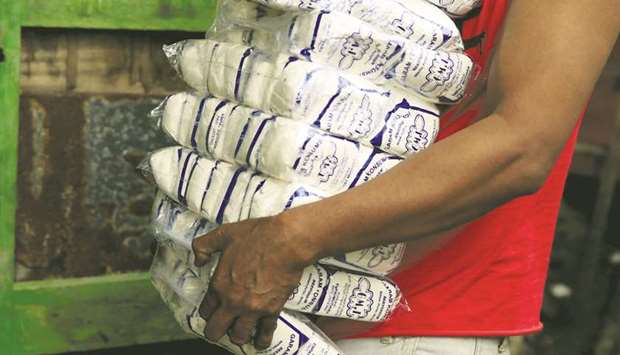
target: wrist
303 240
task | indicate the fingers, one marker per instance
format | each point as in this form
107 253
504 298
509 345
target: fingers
209 304
220 320
264 332
243 329
208 244
218 324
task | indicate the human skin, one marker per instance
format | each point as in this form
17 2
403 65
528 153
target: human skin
543 72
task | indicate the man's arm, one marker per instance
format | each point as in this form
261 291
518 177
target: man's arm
546 65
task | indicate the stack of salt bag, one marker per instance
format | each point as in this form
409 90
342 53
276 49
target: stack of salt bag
322 291
294 101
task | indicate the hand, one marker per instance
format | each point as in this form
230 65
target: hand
259 267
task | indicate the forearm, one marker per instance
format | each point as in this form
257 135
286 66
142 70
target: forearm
456 181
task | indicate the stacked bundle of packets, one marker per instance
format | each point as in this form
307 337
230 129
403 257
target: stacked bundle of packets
294 101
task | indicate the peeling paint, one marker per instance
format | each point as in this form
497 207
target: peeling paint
39 141
85 211
68 195
82 210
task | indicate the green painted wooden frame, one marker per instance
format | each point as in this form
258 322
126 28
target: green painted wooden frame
86 313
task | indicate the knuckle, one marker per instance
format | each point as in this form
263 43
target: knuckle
220 233
254 305
197 241
217 233
199 244
236 301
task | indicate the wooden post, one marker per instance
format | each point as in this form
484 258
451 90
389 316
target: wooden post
588 316
54 316
9 118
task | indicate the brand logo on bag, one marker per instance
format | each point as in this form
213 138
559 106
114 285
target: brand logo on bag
360 301
417 137
354 49
328 168
381 254
352 4
362 119
317 149
402 27
312 4
309 155
439 73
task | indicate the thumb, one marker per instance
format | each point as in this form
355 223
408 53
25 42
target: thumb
208 244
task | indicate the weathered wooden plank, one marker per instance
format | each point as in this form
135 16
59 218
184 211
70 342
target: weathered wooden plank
82 209
9 102
66 62
180 15
75 216
90 313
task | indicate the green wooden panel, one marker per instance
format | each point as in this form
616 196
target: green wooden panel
9 103
181 15
91 313
88 313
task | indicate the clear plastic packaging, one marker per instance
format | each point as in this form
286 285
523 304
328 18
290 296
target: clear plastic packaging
222 192
175 224
322 290
225 129
358 48
343 105
456 8
434 76
182 288
225 193
414 20
276 146
298 100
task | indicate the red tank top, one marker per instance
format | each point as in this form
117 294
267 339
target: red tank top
488 280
